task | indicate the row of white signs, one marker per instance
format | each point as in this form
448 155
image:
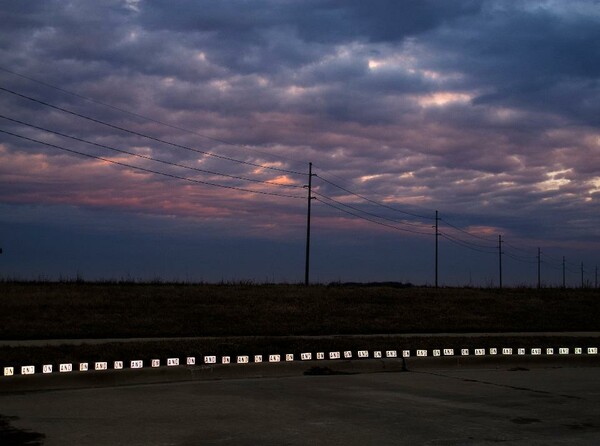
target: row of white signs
191 360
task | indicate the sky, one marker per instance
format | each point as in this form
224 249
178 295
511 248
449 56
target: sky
171 140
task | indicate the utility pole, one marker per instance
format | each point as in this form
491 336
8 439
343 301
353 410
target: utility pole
564 283
539 256
500 257
436 247
307 265
595 275
581 274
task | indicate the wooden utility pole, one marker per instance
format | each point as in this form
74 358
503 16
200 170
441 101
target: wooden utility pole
500 257
307 264
436 247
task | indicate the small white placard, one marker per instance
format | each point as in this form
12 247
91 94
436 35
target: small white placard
563 351
421 352
210 360
493 351
83 366
118 365
437 353
320 355
405 353
507 351
592 350
155 363
578 350
289 357
101 366
65 368
520 351
305 356
136 364
479 351
391 354
257 358
274 358
9 371
243 359
172 362
347 354
190 360
448 352
334 355
363 353
550 351
226 360
464 351
47 368
377 354
536 351
28 370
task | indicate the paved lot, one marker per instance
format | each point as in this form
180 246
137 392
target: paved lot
539 406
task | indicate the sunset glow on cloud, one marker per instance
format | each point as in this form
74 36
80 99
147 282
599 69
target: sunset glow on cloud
485 110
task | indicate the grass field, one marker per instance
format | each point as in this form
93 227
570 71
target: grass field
253 319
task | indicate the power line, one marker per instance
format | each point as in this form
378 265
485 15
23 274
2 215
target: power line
372 201
64 110
366 218
465 231
462 243
147 118
143 169
274 183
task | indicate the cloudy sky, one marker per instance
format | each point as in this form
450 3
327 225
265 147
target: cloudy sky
172 139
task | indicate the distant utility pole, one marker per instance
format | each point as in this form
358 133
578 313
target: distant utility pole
581 274
595 275
307 264
436 247
539 256
500 257
564 283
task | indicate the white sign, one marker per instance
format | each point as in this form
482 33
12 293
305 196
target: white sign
65 368
507 351
257 358
549 351
334 355
363 353
448 352
464 352
536 351
155 363
321 355
421 352
83 367
578 350
563 351
226 360
9 371
479 351
28 370
210 360
243 359
47 368
347 354
377 354
391 354
437 353
136 364
172 362
405 353
190 360
493 351
521 351
101 366
289 357
592 350
274 358
305 356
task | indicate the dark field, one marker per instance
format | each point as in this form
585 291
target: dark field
254 319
